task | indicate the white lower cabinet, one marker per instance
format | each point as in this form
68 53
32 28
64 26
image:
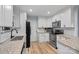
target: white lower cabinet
43 37
4 36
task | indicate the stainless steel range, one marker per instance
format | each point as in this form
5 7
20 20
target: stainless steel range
53 32
56 30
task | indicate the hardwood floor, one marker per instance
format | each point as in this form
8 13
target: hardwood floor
41 48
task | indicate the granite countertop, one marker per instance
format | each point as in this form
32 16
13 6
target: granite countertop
68 28
58 28
12 47
2 32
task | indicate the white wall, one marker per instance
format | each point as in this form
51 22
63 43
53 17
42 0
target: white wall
44 21
33 21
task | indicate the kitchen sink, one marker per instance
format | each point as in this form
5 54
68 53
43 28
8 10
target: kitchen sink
17 38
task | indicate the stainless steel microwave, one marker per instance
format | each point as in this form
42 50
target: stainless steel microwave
56 24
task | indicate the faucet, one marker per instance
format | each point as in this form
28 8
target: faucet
12 31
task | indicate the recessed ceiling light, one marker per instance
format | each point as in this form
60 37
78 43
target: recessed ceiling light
8 7
30 10
48 12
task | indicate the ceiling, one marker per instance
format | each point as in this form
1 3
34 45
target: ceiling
42 10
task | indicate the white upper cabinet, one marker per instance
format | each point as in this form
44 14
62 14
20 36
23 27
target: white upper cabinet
64 17
8 15
16 16
6 11
1 16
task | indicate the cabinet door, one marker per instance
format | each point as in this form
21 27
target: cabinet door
5 36
8 15
1 16
16 16
0 37
66 18
46 35
43 37
16 21
8 35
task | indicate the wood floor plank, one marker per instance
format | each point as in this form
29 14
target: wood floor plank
41 48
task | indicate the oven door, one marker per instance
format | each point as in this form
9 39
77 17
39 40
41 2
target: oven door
58 31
